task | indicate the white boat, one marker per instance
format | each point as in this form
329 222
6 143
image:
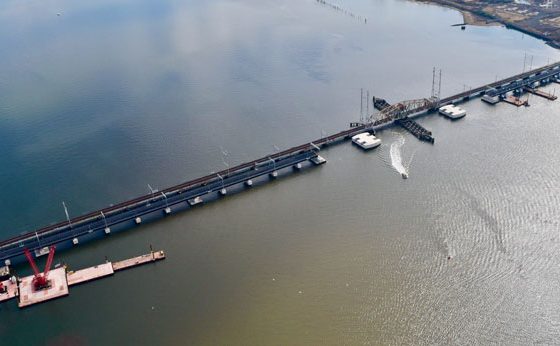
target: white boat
452 112
195 201
366 140
491 99
318 160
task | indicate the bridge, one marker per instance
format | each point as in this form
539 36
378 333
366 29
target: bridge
518 82
187 195
101 223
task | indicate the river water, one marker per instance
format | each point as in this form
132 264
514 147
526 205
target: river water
98 99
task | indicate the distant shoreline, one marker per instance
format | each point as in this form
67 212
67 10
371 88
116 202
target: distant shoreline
474 15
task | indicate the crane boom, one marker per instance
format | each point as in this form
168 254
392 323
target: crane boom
31 262
49 262
40 279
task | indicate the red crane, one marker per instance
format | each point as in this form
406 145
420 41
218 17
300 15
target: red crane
40 281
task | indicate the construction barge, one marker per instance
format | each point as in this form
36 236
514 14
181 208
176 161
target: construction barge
416 129
102 223
53 284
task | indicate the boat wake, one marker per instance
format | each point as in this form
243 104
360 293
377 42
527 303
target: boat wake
394 158
395 152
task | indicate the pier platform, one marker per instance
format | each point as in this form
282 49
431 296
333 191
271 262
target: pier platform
89 274
541 93
140 260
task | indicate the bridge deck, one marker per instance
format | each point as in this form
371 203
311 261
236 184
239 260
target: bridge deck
129 210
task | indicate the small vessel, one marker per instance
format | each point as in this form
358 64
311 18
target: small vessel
195 201
404 175
366 140
490 97
380 104
452 112
318 160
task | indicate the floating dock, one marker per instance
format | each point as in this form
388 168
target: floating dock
60 280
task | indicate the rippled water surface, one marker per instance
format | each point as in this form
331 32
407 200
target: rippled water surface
110 96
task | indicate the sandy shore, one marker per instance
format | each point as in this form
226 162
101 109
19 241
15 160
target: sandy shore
472 19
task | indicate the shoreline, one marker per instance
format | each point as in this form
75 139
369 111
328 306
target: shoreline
477 17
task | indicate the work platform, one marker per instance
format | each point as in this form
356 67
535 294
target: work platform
58 288
11 290
516 101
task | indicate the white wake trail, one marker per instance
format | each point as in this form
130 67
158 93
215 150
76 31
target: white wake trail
396 155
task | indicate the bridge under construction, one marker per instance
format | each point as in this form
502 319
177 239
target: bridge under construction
102 223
